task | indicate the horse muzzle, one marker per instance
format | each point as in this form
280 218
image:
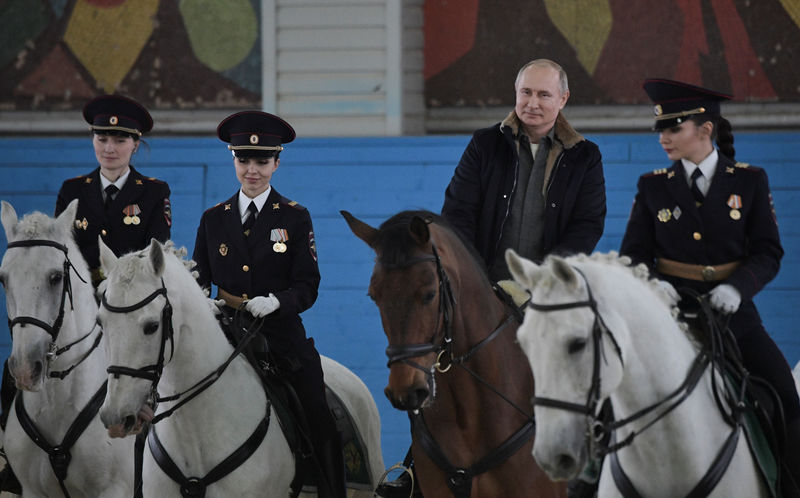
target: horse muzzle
28 374
126 425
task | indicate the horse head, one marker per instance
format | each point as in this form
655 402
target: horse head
417 278
575 360
135 315
40 295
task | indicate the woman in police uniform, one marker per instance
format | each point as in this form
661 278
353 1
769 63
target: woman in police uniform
258 248
708 223
115 200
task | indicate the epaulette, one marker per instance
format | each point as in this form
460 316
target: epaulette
215 206
748 167
155 180
293 204
655 172
79 178
742 165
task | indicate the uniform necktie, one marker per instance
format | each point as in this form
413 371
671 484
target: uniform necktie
251 218
111 192
696 193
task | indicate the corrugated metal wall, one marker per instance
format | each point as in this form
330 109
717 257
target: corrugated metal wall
374 178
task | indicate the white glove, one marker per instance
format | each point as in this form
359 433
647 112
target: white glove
262 306
725 298
215 305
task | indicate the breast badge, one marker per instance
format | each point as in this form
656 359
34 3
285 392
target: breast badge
81 224
664 215
280 236
676 212
735 203
131 212
223 249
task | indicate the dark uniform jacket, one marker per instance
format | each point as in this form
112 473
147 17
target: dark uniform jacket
666 223
249 268
478 200
148 196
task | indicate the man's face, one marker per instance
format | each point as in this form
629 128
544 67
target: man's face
539 99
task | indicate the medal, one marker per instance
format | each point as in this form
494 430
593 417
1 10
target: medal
735 203
131 211
735 214
280 236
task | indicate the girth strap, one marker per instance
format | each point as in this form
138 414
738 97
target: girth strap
60 455
703 488
459 480
195 487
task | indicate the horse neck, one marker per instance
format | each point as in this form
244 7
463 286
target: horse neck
200 345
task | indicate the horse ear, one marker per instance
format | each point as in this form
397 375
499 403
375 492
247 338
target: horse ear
157 257
360 229
524 271
107 257
419 230
9 218
564 271
67 217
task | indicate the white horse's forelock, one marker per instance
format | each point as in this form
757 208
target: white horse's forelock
37 225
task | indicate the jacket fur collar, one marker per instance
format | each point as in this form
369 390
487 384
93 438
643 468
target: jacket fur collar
564 132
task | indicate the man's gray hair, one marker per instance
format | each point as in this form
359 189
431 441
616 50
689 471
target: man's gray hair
562 75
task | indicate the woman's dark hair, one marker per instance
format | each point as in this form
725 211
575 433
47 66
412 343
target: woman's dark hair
722 133
116 133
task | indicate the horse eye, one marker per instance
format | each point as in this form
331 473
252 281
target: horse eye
56 277
428 297
576 345
151 328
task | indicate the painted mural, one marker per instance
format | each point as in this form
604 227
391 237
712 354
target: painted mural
473 48
168 54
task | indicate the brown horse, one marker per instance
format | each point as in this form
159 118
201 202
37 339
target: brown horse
454 362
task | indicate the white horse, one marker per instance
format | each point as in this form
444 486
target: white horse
178 350
597 329
51 306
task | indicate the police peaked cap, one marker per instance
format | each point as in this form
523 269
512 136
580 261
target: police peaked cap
675 101
115 112
255 133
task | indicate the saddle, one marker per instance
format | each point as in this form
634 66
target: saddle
275 372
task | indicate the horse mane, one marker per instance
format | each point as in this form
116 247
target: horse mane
395 245
641 273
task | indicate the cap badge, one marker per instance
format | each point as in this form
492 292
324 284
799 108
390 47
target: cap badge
664 215
657 110
254 139
113 120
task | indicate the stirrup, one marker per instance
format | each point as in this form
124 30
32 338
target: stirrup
406 470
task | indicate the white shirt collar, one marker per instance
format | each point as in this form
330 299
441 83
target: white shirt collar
260 200
707 166
105 182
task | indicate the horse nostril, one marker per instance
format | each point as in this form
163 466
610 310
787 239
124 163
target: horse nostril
565 462
37 368
130 421
421 394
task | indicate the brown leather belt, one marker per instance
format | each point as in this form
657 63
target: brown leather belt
230 299
696 272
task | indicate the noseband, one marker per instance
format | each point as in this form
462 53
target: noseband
149 372
54 329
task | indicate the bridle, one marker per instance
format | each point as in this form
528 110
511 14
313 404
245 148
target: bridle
459 479
598 429
149 372
55 329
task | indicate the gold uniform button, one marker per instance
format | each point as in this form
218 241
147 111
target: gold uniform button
697 236
245 268
103 232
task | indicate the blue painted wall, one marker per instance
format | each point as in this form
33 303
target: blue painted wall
374 178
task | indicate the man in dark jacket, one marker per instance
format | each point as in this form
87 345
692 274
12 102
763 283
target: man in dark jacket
531 182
